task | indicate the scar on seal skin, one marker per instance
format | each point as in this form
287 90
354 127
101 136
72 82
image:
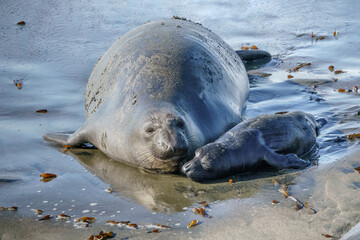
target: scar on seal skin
277 139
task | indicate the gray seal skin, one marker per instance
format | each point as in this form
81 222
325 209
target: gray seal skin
160 92
277 139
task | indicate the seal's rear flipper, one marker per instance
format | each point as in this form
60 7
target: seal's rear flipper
254 58
281 161
65 139
253 55
320 123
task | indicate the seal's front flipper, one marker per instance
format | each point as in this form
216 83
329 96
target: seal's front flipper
281 161
66 139
58 138
254 58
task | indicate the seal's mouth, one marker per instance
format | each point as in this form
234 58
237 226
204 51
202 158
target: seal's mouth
168 165
174 156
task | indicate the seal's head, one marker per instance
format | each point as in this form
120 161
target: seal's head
161 140
205 165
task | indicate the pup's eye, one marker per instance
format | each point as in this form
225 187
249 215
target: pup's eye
198 152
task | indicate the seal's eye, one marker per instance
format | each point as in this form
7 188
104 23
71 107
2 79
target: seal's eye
198 152
150 130
180 124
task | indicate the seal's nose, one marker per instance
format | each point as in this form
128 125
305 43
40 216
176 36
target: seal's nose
186 168
194 170
170 144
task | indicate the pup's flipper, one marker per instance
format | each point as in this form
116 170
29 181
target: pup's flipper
281 161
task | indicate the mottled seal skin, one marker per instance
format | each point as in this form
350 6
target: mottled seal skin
277 139
161 91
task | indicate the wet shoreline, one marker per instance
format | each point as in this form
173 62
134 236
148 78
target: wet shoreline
322 187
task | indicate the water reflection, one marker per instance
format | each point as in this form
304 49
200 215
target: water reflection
166 192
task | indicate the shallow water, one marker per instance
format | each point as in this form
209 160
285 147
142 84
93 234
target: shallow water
54 53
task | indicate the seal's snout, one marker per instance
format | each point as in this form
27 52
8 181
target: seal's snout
167 135
194 170
189 169
186 168
169 140
170 144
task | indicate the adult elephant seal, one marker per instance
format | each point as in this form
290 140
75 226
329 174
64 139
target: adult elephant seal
277 139
160 92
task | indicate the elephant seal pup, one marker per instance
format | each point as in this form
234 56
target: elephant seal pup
277 139
160 92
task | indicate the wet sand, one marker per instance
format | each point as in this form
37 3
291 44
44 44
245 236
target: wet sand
330 190
52 55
